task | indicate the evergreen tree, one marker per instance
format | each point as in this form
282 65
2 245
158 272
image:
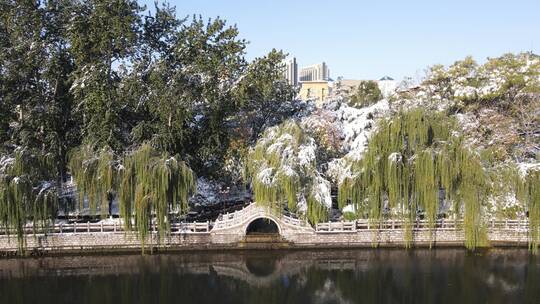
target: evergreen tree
367 93
35 110
263 94
181 88
35 84
102 35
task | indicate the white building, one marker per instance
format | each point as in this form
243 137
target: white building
316 72
291 71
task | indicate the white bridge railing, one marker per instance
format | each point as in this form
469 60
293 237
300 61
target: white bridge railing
238 217
195 227
351 226
252 210
224 221
235 218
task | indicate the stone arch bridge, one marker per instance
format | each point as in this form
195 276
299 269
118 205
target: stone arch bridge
233 227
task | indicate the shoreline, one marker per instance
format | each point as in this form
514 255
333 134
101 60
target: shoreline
238 231
50 246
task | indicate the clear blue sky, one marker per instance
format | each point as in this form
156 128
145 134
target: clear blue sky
369 39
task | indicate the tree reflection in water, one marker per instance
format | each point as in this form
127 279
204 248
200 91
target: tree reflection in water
345 276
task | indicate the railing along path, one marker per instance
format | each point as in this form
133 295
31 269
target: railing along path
364 224
253 210
195 227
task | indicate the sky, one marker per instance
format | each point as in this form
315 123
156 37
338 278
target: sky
370 39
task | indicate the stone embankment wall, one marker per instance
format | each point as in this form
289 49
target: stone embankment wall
396 238
120 241
229 232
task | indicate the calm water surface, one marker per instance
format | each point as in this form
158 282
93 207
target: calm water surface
343 276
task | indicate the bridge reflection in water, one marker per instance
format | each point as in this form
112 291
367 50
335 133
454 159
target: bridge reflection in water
281 276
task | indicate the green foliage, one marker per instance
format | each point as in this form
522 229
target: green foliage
272 183
24 194
101 33
506 184
35 103
96 176
258 84
183 100
349 216
495 83
316 211
530 194
282 169
367 93
102 30
262 93
153 183
149 184
409 159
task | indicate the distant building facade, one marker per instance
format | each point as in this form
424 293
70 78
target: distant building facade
291 71
315 82
315 90
316 72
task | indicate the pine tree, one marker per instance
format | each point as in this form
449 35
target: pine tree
367 93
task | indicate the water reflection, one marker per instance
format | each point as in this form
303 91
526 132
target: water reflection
260 266
351 276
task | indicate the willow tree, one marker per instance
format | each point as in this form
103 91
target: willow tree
282 168
153 184
96 175
410 159
27 194
530 194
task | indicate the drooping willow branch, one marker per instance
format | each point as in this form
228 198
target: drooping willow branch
153 183
410 159
149 185
282 168
26 194
529 192
96 176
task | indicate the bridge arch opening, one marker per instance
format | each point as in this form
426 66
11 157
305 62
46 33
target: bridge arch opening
262 226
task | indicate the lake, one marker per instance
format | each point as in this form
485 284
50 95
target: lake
318 276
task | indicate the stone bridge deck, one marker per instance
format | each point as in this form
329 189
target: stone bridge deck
229 231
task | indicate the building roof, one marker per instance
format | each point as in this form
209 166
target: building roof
386 78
